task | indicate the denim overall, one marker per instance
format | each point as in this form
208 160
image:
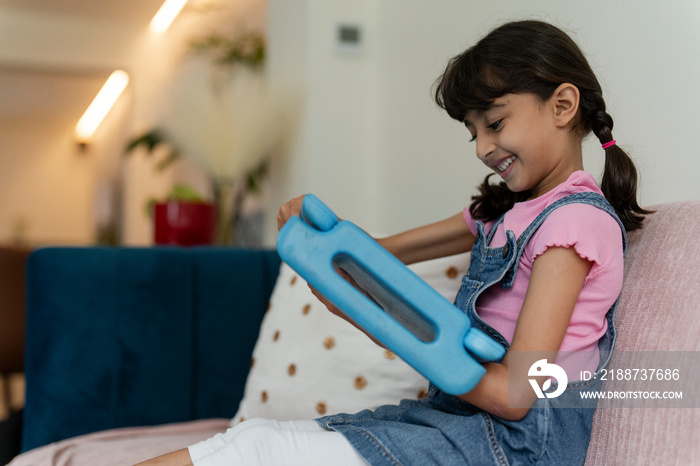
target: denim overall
443 429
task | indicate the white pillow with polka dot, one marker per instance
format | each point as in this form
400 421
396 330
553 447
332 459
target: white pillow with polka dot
308 362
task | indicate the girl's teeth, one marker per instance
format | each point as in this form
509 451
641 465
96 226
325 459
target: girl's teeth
505 164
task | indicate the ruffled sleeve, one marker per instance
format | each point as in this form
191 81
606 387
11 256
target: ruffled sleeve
471 223
593 234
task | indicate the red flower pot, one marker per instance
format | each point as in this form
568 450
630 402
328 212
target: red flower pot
184 223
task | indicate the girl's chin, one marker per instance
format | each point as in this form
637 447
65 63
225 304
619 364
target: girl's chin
516 187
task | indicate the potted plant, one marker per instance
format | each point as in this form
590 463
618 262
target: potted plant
235 121
183 218
229 194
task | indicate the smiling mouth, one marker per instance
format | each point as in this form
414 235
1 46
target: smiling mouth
501 167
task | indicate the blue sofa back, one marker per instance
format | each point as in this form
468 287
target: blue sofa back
122 337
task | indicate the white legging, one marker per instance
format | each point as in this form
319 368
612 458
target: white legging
270 443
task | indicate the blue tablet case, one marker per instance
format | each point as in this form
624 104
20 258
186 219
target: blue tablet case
405 313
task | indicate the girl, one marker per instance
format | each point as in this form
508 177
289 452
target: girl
546 266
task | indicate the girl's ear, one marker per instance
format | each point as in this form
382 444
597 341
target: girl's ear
565 102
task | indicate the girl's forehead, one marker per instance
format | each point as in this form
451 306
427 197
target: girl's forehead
476 114
515 102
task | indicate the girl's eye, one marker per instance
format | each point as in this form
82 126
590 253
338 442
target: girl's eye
473 135
496 125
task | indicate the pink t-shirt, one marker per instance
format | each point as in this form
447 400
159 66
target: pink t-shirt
593 234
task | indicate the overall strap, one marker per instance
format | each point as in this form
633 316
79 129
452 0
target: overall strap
494 227
594 199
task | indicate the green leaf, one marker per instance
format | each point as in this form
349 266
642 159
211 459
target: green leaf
185 193
172 156
149 207
149 139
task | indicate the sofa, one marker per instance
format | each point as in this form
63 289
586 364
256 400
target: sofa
133 352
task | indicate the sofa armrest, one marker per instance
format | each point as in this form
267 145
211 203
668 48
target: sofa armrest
139 336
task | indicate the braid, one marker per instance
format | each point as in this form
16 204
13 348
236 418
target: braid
619 182
601 125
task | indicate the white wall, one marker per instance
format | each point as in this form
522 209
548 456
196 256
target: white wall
335 150
380 152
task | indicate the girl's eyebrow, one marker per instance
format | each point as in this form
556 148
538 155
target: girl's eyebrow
482 112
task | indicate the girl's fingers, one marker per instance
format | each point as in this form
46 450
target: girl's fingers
288 210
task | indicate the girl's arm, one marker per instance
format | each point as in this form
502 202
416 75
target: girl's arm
444 238
440 239
555 283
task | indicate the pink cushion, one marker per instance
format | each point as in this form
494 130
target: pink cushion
658 311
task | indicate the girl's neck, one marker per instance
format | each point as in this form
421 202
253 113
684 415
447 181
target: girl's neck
568 164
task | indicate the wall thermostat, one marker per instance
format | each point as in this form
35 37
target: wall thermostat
349 37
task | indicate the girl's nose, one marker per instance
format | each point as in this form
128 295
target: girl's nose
484 148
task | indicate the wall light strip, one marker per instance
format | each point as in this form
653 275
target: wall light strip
166 15
99 107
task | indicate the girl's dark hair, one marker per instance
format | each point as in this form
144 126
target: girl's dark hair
536 57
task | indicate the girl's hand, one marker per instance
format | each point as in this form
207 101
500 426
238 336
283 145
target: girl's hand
330 306
288 210
336 311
